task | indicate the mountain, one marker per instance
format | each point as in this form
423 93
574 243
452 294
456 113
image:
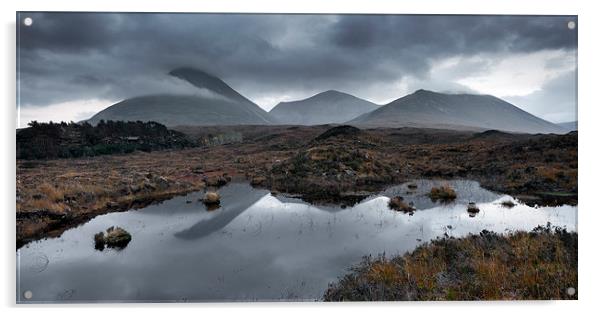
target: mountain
455 111
569 126
323 108
216 103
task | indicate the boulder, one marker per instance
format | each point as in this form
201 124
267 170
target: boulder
211 198
115 237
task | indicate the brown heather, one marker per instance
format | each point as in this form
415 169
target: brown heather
540 265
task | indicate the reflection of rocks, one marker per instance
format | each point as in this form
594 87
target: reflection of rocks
398 204
467 191
99 241
472 208
115 237
235 199
212 207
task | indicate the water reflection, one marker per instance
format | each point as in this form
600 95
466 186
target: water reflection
255 247
236 199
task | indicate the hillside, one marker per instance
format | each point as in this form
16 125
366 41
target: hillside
215 104
569 126
323 108
455 111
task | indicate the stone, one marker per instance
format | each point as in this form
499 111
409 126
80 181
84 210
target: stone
211 198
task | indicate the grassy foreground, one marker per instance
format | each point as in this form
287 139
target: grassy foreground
537 265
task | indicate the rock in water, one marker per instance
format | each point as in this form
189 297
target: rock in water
472 208
115 237
211 198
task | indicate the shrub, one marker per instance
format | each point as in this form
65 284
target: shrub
541 264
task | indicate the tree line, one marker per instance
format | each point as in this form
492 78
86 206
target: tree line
71 140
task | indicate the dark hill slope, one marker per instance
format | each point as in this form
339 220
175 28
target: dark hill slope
455 111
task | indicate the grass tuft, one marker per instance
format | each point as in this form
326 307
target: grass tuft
443 193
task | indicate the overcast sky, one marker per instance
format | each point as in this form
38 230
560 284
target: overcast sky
72 65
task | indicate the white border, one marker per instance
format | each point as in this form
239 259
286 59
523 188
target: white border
589 140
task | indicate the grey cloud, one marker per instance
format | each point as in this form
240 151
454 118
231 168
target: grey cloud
556 101
67 56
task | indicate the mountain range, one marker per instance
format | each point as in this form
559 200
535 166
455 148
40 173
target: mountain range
216 103
324 108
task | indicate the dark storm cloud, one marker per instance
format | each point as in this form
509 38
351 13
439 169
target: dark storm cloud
70 56
455 34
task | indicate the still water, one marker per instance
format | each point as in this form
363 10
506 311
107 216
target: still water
256 246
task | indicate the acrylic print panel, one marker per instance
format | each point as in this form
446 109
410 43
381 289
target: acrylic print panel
255 157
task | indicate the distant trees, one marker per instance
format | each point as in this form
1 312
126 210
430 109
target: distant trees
66 140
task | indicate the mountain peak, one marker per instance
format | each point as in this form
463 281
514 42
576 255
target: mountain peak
326 107
331 94
204 80
196 109
425 92
180 71
426 108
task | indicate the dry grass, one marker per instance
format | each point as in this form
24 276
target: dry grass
46 205
539 265
443 193
52 193
397 203
384 272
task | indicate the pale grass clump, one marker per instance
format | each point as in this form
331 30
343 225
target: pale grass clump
51 192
